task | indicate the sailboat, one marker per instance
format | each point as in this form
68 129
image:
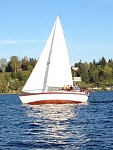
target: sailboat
52 72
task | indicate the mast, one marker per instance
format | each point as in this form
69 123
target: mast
48 61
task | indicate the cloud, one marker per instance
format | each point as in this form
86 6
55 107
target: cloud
6 42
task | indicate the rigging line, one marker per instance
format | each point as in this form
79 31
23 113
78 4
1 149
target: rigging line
48 61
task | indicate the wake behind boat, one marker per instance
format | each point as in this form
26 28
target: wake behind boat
52 72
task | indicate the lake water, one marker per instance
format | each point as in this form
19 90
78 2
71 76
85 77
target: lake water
57 127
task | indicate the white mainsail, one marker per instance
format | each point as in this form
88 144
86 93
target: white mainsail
53 67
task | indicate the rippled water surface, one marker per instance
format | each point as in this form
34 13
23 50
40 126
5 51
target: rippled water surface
55 127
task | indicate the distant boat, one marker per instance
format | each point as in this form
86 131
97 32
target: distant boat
52 72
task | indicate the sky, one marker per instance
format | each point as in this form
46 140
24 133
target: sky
25 26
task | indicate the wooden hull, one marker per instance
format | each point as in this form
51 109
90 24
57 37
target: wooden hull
54 98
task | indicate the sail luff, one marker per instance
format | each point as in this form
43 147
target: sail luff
48 61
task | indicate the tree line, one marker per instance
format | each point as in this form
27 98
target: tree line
15 64
14 73
96 73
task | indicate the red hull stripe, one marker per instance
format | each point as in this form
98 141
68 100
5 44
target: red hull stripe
54 102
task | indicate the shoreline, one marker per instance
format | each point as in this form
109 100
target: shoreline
19 92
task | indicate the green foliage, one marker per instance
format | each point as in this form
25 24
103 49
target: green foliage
15 63
102 62
23 75
17 71
3 64
107 72
96 72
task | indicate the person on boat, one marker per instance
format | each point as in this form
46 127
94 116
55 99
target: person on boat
64 87
77 88
71 88
68 88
